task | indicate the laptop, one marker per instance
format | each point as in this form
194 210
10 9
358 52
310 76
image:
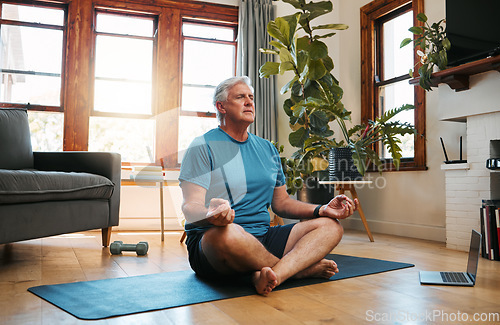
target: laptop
467 279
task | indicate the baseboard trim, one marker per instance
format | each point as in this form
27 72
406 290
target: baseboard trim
399 229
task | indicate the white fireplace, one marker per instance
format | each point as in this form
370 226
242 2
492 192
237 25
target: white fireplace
467 184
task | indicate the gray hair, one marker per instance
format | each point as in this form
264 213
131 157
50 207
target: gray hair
222 90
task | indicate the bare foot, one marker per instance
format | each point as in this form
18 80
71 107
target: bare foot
323 269
265 281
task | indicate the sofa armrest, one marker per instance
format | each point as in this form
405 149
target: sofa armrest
107 164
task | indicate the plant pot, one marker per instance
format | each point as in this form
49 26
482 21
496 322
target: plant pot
313 192
342 166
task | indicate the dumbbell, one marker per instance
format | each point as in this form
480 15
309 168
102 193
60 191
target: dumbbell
118 247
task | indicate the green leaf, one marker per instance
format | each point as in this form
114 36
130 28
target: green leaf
284 29
317 9
316 69
442 59
286 56
405 42
446 44
268 69
299 110
277 44
287 107
422 17
318 119
298 137
316 37
331 26
274 30
416 30
302 66
389 114
318 50
286 66
328 62
292 21
288 85
268 51
393 146
359 158
303 44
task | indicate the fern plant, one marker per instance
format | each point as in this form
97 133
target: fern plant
362 138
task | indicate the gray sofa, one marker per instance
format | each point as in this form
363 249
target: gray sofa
51 193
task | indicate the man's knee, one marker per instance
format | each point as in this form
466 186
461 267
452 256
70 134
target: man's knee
333 225
223 237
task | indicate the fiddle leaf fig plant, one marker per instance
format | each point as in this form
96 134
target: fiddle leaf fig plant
315 96
433 48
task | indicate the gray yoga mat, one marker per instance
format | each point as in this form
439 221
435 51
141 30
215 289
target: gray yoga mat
100 299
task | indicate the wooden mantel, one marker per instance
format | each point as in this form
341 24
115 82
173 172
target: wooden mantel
458 77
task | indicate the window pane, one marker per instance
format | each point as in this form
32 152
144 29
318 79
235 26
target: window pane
210 32
120 24
397 61
29 54
397 95
23 89
207 63
122 97
198 98
190 127
31 49
46 130
33 14
132 138
123 75
127 58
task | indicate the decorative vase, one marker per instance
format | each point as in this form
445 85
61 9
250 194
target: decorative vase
313 192
342 166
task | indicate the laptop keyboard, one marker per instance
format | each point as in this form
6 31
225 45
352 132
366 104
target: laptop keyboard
453 277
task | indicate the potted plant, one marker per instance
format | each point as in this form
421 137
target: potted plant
316 97
433 45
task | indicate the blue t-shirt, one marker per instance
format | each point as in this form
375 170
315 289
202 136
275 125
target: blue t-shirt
244 173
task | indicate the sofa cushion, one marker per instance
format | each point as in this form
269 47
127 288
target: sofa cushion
15 139
25 186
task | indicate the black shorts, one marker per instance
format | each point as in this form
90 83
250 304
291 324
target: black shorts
274 241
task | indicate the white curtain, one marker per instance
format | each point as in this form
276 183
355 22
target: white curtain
252 35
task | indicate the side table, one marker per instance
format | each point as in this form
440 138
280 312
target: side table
151 176
350 186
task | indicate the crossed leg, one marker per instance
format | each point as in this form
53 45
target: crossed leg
231 250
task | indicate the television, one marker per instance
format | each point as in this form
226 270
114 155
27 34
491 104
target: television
473 28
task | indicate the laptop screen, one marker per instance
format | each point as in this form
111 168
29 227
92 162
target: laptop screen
475 243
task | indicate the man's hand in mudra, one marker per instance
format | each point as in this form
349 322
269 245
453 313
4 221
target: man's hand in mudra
220 213
340 207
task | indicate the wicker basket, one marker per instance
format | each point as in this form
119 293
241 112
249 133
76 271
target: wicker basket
342 166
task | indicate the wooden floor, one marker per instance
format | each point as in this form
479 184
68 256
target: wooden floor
388 298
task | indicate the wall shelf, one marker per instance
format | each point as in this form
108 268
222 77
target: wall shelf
458 77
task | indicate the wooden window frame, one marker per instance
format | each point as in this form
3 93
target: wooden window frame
370 14
63 28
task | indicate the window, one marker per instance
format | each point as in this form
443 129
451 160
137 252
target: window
32 39
122 117
385 78
118 76
209 56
